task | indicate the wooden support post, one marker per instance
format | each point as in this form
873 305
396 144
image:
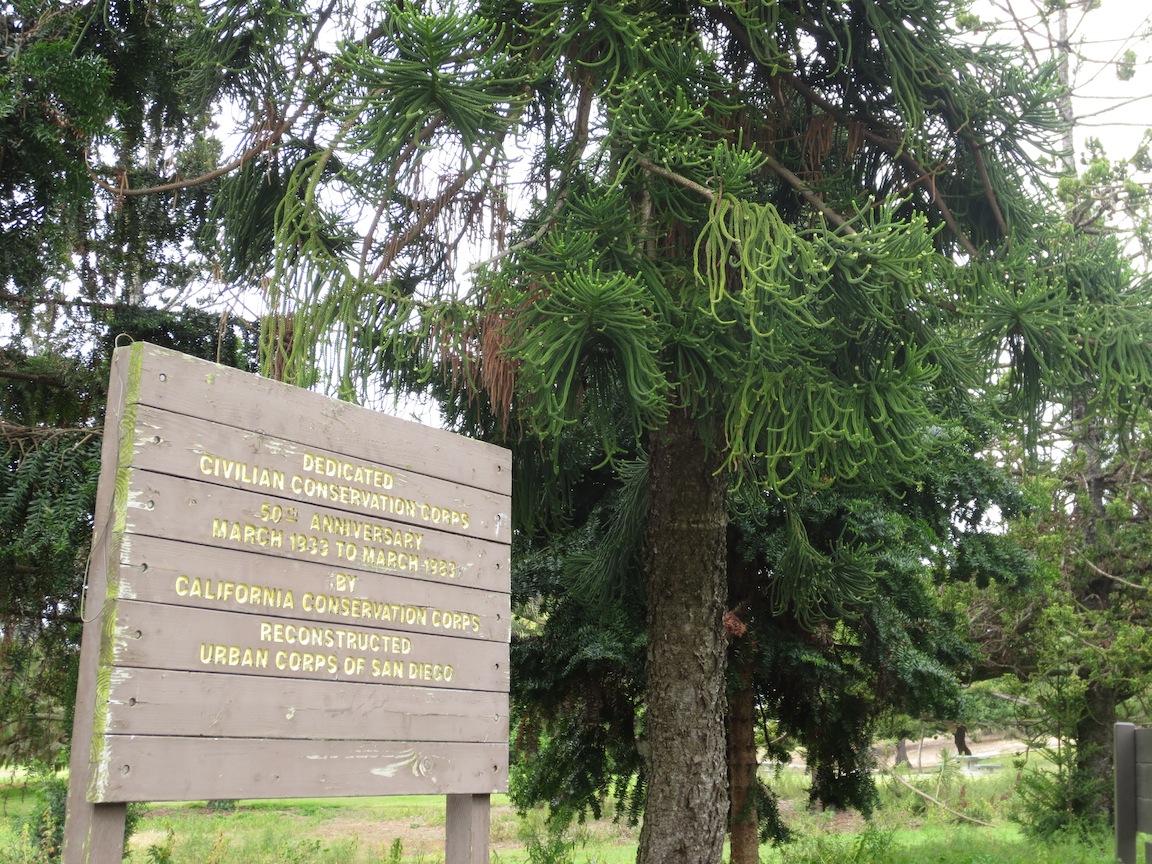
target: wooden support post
1124 737
94 833
467 829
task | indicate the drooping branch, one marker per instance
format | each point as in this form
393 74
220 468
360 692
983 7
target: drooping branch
810 195
895 148
680 179
269 139
938 802
575 151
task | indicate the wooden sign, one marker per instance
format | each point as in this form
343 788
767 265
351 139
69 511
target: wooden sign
288 596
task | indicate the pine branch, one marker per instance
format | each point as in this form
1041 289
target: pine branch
938 802
680 179
895 148
46 380
809 195
270 139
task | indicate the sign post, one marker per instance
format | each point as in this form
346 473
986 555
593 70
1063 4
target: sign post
288 596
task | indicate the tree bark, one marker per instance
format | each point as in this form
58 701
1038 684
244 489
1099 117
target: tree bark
1092 788
902 753
961 744
742 764
686 806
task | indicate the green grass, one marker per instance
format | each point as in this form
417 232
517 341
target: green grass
410 830
18 795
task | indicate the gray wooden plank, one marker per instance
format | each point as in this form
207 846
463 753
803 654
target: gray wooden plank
94 833
236 646
200 449
180 574
192 769
160 505
1142 779
1143 746
163 702
197 388
1143 816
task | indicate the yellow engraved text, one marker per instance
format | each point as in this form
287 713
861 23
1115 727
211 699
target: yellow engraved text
241 472
242 592
233 655
247 533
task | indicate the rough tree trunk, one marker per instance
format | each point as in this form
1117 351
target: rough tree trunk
902 753
742 764
1092 788
958 737
686 807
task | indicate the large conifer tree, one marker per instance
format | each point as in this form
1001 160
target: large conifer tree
754 234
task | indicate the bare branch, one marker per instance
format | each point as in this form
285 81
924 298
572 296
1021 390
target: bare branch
809 195
937 801
680 179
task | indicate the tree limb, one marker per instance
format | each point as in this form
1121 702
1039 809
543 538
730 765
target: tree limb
680 179
809 195
938 802
1116 579
895 149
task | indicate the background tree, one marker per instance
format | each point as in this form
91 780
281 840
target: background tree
1082 610
98 104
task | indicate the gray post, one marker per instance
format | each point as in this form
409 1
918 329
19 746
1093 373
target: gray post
467 829
1124 735
94 833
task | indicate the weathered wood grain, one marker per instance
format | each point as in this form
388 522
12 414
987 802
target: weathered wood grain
191 769
94 833
219 487
206 577
185 385
157 702
467 829
160 505
211 452
156 636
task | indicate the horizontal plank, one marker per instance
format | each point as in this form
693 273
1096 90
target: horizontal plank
1144 815
161 702
211 452
165 571
186 385
137 768
1143 780
1143 738
236 646
159 505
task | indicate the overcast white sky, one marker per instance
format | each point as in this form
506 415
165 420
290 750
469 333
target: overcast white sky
1116 111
